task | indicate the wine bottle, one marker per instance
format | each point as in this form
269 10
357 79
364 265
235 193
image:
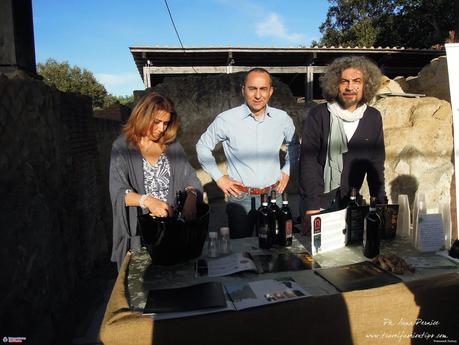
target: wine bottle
264 224
285 221
252 218
178 207
275 214
354 220
371 231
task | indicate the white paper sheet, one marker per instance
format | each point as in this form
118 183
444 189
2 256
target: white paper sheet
327 231
430 234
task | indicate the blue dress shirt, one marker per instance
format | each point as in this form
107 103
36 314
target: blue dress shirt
251 146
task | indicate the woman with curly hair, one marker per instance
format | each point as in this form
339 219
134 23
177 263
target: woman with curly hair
343 139
147 167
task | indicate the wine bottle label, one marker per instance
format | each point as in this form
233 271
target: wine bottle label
288 228
355 225
263 232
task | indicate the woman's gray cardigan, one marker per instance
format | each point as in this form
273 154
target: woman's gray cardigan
126 172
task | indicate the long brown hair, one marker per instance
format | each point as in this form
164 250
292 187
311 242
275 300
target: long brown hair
143 116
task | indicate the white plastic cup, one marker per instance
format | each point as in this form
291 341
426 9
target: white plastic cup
445 211
421 209
212 245
403 220
225 241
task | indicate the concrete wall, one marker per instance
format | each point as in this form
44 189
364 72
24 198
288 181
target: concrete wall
55 214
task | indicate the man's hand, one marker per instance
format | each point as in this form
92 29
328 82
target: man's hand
229 186
282 182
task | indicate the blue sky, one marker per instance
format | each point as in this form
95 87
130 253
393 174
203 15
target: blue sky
97 34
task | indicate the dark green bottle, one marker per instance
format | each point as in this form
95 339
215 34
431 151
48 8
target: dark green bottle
371 231
265 224
252 218
354 220
275 214
285 221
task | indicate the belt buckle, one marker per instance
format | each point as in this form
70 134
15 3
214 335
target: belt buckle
254 191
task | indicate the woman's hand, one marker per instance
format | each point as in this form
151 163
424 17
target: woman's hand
189 207
157 207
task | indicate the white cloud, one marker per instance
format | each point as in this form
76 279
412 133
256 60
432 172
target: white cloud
120 84
275 28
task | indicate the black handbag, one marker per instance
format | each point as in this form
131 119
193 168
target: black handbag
171 240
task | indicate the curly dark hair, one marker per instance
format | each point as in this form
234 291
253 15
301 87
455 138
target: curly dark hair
371 75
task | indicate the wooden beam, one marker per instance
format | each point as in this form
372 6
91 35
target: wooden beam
230 69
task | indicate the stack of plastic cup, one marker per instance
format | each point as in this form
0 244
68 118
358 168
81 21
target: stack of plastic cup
420 208
403 220
445 211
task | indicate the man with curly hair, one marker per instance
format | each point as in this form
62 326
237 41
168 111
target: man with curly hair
343 139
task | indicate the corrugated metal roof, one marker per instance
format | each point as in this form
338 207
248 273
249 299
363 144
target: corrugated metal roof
283 49
397 60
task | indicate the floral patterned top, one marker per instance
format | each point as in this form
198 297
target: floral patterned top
157 177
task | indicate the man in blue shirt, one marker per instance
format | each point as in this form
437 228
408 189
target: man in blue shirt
252 135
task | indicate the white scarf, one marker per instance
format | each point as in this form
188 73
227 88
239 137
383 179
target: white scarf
337 143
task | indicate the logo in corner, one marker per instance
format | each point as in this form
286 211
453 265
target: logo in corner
5 339
317 225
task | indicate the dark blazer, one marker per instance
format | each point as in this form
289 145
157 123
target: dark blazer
365 156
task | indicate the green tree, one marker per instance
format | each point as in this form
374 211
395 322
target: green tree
125 100
74 79
408 23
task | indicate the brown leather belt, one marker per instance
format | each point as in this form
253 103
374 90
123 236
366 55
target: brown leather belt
258 191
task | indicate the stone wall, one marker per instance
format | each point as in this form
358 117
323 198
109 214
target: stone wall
419 146
55 215
432 80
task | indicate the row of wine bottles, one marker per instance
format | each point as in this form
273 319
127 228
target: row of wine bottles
363 229
274 224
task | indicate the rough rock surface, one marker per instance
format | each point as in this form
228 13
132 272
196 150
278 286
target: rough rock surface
419 146
389 86
432 80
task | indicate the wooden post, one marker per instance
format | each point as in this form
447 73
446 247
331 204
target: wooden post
309 83
146 77
17 46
